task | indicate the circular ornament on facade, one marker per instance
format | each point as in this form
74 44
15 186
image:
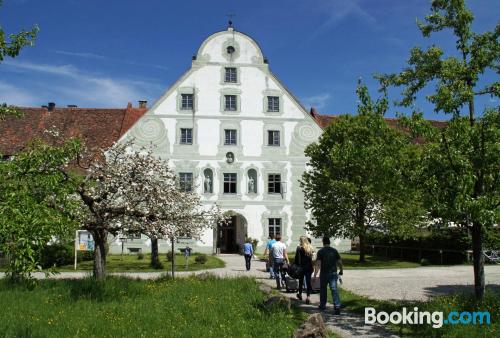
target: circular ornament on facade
308 133
230 49
150 129
229 157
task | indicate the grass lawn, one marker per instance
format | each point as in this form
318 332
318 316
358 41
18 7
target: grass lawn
184 307
459 302
131 263
372 262
351 261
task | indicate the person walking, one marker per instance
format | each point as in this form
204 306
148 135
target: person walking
303 258
280 257
327 260
248 252
267 252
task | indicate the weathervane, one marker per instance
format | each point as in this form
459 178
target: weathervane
230 16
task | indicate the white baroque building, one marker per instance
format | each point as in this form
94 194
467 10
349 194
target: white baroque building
234 133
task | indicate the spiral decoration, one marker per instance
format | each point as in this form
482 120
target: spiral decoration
150 129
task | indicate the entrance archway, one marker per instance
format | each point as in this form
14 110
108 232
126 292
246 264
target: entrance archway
230 235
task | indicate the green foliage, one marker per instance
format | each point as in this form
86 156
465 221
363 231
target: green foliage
140 256
201 259
461 162
35 206
11 46
462 176
362 175
455 78
55 255
181 307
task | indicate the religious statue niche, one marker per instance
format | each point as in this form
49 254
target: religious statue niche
208 180
229 157
252 181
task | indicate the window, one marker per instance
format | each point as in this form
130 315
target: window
186 136
186 181
134 235
230 102
273 138
229 183
230 137
186 101
274 226
273 103
231 75
274 184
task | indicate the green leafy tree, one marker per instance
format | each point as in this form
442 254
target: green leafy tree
35 204
361 176
458 82
11 47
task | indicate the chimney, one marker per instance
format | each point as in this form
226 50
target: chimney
143 103
313 112
52 106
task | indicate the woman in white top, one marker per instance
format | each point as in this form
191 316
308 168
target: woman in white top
280 257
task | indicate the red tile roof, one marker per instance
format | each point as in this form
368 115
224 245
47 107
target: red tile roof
99 128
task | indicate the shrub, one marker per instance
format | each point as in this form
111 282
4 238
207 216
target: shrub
140 256
201 259
169 256
57 255
85 256
424 262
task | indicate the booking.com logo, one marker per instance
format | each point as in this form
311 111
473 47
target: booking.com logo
436 318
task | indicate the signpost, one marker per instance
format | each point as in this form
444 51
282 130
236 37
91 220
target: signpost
83 242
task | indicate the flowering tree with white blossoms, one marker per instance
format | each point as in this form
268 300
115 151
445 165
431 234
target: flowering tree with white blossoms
133 191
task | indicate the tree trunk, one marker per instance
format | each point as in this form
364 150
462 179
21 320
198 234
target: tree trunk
477 254
173 258
361 229
100 239
362 248
155 259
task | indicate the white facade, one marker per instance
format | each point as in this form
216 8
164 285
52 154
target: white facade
229 94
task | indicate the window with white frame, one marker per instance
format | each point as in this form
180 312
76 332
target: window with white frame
274 226
230 183
230 103
273 138
274 184
186 181
231 75
187 101
230 137
186 136
273 104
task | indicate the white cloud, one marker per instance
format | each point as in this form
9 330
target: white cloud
14 95
102 57
75 86
317 101
338 10
82 55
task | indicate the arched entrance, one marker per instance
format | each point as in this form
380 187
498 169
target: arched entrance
230 235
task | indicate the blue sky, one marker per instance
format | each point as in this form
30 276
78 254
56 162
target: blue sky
96 53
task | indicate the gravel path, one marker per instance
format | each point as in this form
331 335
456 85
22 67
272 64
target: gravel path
416 283
384 284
